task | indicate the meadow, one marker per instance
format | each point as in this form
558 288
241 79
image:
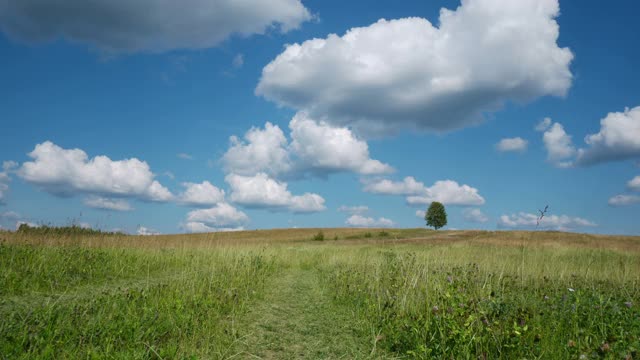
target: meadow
319 293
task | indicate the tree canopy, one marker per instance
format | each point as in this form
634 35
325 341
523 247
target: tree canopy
436 215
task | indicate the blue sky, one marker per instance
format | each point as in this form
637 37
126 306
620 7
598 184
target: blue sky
364 129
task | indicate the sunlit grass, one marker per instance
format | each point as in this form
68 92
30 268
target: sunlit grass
77 303
474 301
411 293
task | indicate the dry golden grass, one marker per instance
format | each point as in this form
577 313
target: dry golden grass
340 236
248 237
532 239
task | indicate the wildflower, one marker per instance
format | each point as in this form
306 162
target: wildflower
435 309
571 343
605 347
583 357
628 304
449 279
570 289
545 298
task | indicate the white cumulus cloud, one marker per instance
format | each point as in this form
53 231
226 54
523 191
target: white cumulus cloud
121 26
553 222
362 221
103 203
316 148
307 203
7 166
624 200
263 150
627 199
475 215
262 191
634 184
4 186
144 231
408 186
65 172
444 77
198 227
448 192
618 139
204 194
543 125
222 216
516 144
560 149
322 147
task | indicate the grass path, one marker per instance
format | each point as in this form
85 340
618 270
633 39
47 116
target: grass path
298 320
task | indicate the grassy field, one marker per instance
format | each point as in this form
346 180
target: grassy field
320 293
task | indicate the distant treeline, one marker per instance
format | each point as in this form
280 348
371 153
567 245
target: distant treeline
26 229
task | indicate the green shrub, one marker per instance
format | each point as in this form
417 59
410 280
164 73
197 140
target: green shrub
46 230
319 236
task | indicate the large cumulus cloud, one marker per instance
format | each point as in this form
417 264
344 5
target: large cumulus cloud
261 191
618 139
222 217
316 148
123 26
66 172
410 73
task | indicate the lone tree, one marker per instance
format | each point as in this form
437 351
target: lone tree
436 216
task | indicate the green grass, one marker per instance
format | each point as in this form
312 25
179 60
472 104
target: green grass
171 304
28 269
298 319
282 294
475 303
